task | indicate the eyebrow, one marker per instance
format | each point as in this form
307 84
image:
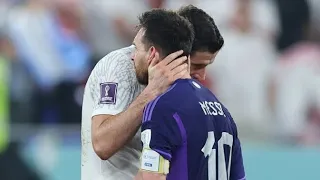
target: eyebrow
202 63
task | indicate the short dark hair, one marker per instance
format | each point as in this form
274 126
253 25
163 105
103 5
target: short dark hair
167 31
207 35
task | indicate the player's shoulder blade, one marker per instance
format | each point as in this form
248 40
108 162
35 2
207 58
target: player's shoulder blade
165 102
174 93
116 62
118 55
116 71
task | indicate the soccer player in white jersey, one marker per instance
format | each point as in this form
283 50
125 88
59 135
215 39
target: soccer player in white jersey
114 100
113 103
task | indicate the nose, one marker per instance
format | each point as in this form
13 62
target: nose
199 75
132 56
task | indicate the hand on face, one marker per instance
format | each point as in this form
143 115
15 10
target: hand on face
162 73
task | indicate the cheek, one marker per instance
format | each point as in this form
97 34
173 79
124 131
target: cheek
140 60
137 58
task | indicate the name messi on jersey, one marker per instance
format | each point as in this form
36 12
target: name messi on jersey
211 108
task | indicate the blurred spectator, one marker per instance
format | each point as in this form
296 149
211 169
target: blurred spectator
111 25
28 28
10 159
19 86
297 94
263 15
4 97
315 19
49 43
242 68
67 38
294 18
296 81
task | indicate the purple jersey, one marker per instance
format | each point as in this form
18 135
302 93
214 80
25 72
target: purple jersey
195 132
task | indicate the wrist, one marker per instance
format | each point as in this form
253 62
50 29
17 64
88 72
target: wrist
150 93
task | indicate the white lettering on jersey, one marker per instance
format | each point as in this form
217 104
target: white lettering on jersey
212 108
221 166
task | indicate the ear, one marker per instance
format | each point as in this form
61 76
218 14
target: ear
151 54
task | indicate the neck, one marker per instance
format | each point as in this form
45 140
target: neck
187 76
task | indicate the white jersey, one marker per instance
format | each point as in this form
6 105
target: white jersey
111 88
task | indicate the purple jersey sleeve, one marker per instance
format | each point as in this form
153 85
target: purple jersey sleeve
165 133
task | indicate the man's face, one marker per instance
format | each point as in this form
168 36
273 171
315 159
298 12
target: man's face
141 58
199 61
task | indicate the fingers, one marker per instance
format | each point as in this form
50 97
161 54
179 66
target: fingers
181 74
177 62
180 71
171 57
189 64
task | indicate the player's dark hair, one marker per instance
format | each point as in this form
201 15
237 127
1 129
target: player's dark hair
207 35
167 31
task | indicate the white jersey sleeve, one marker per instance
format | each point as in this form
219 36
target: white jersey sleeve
113 84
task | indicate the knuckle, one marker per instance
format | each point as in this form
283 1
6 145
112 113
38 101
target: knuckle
182 59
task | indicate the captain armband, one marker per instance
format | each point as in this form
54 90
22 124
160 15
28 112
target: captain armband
152 161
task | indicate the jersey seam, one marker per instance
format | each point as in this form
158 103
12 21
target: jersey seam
153 104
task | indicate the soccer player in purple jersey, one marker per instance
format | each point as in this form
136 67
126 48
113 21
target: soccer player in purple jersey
186 132
207 40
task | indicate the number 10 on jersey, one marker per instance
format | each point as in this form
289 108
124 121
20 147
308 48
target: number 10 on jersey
219 166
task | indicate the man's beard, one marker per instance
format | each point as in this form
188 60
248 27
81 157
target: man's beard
142 77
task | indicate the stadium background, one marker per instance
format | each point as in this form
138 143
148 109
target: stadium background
268 75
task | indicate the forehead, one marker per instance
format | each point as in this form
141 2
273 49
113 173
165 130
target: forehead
203 58
138 38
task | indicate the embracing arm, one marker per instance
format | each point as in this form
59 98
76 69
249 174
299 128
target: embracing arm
111 130
145 175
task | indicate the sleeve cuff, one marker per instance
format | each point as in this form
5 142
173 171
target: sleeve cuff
106 111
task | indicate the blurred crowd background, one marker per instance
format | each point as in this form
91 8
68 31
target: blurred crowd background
267 75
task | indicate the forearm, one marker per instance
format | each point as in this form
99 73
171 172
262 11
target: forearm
144 175
113 133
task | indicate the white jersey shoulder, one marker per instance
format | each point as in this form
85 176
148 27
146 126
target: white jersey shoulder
113 83
110 89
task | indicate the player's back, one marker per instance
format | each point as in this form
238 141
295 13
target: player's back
207 147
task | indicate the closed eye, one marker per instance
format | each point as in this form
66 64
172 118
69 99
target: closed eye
198 66
134 45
